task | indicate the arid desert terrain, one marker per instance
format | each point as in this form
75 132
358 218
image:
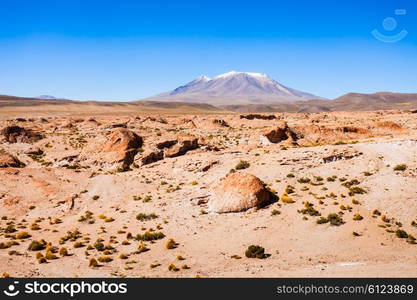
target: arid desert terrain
330 194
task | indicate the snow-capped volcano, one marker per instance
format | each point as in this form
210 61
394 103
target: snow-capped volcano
235 88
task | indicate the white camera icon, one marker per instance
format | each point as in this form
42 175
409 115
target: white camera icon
389 25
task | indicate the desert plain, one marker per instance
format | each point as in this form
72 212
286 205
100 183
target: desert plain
177 194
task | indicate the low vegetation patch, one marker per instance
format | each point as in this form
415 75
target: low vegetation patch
333 218
145 217
254 251
150 236
242 165
401 167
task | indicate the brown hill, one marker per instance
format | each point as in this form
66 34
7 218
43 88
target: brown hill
347 102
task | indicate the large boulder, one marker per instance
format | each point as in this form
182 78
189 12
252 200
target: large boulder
122 146
238 192
277 134
17 134
9 161
185 142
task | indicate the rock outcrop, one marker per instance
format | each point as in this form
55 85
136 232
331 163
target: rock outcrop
277 134
9 161
150 156
184 144
122 146
17 134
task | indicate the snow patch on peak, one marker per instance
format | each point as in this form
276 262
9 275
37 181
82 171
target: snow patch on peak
203 78
233 73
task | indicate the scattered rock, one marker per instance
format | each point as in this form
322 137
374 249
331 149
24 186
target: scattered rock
351 129
220 122
206 166
34 151
121 125
16 134
238 192
340 155
9 161
151 156
277 134
185 143
166 144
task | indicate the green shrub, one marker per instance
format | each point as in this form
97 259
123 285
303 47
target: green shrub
275 212
304 180
335 219
289 189
23 235
332 178
242 165
376 212
357 217
150 236
351 183
401 234
309 210
37 245
105 259
255 252
99 245
322 220
401 167
173 268
356 190
93 263
171 244
10 229
145 217
142 248
286 199
63 251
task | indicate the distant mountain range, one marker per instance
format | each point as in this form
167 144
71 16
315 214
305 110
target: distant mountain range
233 91
49 97
234 87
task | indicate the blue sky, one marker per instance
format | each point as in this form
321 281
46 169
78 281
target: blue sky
127 50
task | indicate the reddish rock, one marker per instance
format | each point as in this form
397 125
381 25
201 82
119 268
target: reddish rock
16 134
239 192
185 143
9 161
151 156
122 145
277 135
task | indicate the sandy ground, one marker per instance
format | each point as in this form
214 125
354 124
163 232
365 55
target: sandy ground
72 176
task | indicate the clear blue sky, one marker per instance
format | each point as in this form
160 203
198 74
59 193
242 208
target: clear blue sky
126 50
